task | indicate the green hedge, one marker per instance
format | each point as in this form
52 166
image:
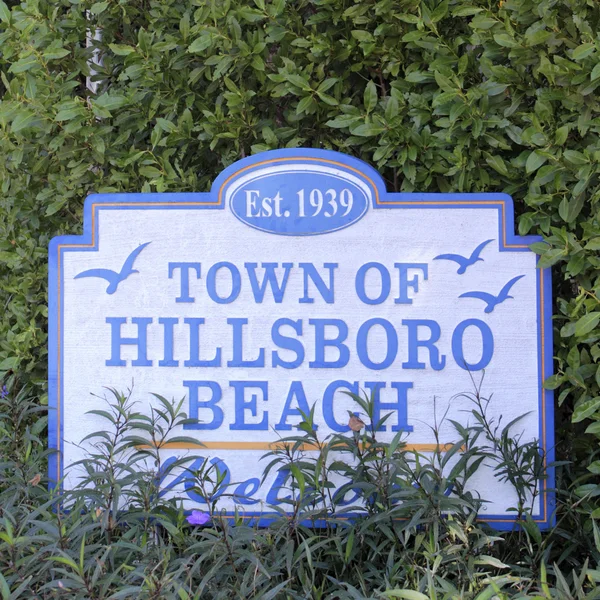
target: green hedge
439 96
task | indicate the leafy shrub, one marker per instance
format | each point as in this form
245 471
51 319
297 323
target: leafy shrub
450 95
414 535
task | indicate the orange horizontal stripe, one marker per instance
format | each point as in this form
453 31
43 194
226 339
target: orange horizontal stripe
273 446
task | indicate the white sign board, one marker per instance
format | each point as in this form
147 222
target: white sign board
299 277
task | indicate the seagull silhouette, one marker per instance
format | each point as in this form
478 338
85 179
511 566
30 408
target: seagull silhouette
462 261
114 278
489 299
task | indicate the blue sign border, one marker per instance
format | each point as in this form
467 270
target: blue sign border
509 242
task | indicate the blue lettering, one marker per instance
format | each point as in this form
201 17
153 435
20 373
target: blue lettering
168 360
117 341
360 283
272 495
185 267
244 491
270 279
194 360
297 391
211 404
222 474
211 282
287 343
238 347
328 396
487 339
405 283
321 343
400 406
242 405
436 360
310 272
362 346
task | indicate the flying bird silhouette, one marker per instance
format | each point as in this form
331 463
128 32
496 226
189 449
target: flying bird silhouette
462 261
114 278
489 299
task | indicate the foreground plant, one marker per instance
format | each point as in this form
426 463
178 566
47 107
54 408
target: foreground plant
123 532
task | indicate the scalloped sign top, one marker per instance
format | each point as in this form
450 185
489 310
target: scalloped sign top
299 199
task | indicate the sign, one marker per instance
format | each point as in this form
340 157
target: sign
296 279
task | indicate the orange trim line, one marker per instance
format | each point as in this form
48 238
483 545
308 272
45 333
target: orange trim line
378 201
308 447
59 370
302 158
543 378
344 518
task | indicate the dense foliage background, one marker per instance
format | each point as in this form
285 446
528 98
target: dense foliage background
452 95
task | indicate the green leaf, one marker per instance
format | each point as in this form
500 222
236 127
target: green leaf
343 121
594 428
506 40
440 11
367 130
553 381
534 161
4 587
250 14
583 50
166 125
593 244
532 529
326 84
370 96
23 120
497 164
56 53
585 409
4 12
150 172
98 8
540 36
258 63
299 81
483 22
24 64
570 209
418 77
443 81
12 362
362 36
539 247
202 43
305 105
586 323
594 467
55 206
407 594
577 158
551 257
69 113
445 97
330 100
466 11
110 101
484 559
184 26
561 135
408 18
121 49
